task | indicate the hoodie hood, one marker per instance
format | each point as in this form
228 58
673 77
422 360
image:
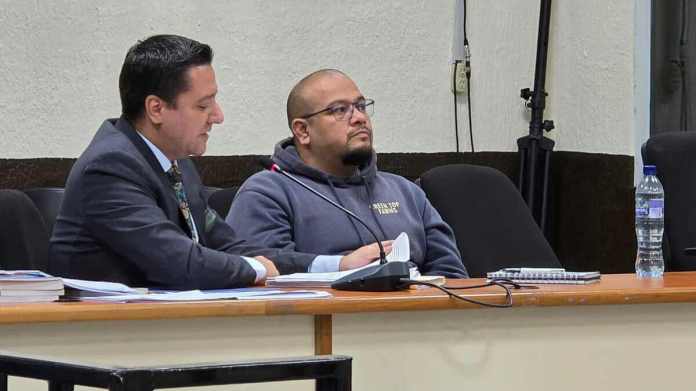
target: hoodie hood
287 157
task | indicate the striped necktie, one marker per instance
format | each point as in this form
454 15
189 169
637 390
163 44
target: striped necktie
174 175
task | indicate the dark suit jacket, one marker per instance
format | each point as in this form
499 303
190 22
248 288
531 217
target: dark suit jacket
120 221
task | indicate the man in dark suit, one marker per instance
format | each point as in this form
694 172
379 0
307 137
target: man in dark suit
134 209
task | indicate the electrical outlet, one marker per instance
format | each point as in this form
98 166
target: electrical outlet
459 85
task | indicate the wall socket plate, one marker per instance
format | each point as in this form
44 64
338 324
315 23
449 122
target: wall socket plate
459 70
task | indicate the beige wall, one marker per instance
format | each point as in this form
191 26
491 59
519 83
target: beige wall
59 63
636 347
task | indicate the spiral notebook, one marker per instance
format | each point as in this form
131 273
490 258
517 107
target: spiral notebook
544 276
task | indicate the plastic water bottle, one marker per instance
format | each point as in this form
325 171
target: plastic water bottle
650 224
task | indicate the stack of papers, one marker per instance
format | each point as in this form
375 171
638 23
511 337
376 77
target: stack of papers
308 280
119 293
544 276
85 288
219 294
29 286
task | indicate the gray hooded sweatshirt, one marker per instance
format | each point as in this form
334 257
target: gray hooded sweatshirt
272 211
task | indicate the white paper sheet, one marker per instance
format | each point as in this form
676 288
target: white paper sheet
220 294
98 286
401 249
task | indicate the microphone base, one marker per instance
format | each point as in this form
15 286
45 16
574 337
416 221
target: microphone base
378 278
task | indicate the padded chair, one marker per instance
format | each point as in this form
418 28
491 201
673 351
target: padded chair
23 234
209 190
674 155
493 227
221 200
48 201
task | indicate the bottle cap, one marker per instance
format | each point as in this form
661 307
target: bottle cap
649 170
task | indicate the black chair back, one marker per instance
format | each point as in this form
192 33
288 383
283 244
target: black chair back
674 155
48 201
492 224
23 237
221 200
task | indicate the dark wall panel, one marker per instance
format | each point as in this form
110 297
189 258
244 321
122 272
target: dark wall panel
591 199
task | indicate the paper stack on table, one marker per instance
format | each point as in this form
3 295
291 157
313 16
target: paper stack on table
85 288
218 294
29 286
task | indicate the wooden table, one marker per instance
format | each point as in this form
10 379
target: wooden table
622 333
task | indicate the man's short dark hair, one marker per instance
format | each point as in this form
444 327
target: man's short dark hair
158 66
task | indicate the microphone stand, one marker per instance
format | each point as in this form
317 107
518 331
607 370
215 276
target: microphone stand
535 149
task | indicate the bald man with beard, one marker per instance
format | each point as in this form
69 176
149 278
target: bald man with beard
331 150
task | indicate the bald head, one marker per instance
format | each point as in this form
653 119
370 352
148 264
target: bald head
338 136
300 98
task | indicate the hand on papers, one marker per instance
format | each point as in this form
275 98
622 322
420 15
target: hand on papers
271 270
364 255
398 250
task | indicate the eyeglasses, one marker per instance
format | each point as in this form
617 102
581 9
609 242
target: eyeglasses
344 111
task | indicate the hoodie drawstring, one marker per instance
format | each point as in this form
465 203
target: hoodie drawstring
372 210
350 219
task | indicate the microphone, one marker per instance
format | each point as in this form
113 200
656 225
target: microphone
269 164
379 278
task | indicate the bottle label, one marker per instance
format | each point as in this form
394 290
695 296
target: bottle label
656 207
642 212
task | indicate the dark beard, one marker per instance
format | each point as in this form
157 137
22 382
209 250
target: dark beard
357 157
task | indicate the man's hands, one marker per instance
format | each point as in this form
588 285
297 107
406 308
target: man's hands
271 270
355 259
363 255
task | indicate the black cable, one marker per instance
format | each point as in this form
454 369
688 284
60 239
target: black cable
468 103
504 281
682 67
448 290
467 57
466 41
454 93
